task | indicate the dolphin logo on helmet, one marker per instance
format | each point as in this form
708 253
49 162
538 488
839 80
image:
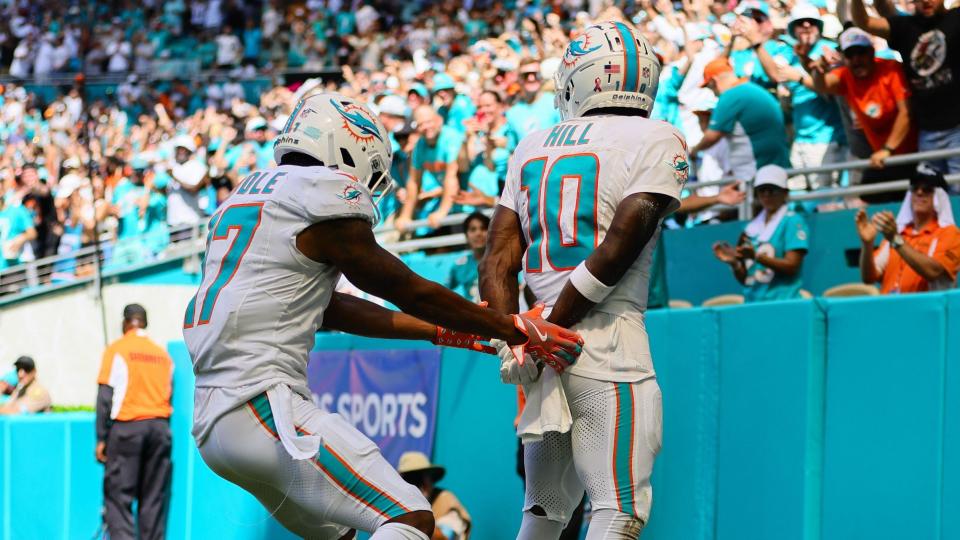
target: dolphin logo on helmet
365 128
577 48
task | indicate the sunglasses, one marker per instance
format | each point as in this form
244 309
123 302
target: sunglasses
530 77
767 189
856 50
922 190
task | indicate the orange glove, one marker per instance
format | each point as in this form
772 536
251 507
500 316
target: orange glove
551 344
462 340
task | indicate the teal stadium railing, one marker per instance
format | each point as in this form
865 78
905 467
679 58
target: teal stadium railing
826 419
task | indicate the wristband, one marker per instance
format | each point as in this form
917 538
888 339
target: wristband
887 148
589 286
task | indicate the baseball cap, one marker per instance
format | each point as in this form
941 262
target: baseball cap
185 141
804 12
715 67
25 363
419 89
770 175
418 462
929 177
393 105
255 123
854 37
72 162
135 311
442 81
748 7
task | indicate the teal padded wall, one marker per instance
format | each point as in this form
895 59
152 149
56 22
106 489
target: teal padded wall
826 419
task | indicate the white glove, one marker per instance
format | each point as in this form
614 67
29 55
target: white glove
511 372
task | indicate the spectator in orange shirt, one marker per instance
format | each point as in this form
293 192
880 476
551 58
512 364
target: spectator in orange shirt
921 250
877 92
133 430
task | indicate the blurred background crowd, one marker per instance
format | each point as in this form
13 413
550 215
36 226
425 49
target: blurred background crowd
135 119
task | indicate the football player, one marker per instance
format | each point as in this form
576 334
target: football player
579 214
275 250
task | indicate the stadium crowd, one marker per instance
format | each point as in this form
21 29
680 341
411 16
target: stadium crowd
751 84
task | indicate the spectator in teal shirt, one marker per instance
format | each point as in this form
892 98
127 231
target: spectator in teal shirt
535 109
464 274
142 214
485 153
748 117
818 128
252 36
16 229
667 103
433 182
770 252
455 108
746 62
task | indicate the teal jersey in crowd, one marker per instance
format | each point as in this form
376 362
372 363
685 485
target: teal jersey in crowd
816 118
485 180
667 103
754 122
14 221
747 65
454 115
475 29
263 151
464 276
762 283
433 160
524 118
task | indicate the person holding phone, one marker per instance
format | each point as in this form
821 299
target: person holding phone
770 251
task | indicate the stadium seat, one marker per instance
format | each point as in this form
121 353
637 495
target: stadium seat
680 304
851 289
723 300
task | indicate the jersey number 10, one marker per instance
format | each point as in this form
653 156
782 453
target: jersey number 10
245 220
562 210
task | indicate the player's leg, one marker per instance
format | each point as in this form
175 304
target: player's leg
243 452
120 478
615 438
348 482
552 488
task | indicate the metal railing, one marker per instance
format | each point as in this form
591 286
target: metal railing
187 243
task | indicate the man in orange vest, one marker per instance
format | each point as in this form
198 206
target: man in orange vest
133 430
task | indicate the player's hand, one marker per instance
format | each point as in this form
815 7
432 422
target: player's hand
446 337
101 452
511 370
865 228
546 342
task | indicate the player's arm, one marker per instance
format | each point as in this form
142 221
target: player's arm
349 245
502 262
354 315
634 223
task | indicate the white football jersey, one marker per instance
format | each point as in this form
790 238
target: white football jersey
565 184
252 321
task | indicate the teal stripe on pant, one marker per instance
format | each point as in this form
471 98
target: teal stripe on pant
631 79
623 449
351 482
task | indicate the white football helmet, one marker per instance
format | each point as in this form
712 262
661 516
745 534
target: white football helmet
609 65
343 134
